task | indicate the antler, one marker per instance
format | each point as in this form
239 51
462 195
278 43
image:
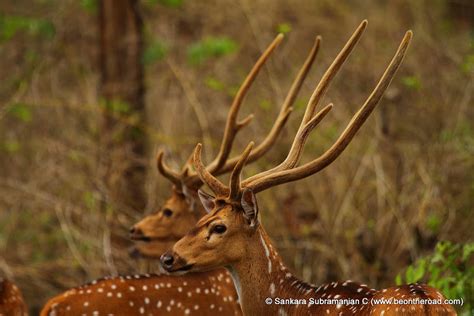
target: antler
286 171
259 183
221 164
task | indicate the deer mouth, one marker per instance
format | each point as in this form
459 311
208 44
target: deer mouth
174 264
148 239
178 270
140 238
184 268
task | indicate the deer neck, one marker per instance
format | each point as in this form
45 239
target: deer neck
261 274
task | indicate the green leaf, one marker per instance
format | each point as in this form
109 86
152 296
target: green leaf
41 27
89 200
11 25
167 3
398 279
90 6
265 104
283 28
21 112
214 84
467 251
11 146
210 47
419 271
153 53
409 274
116 106
411 82
468 64
433 223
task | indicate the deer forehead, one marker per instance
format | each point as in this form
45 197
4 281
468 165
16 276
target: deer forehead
221 213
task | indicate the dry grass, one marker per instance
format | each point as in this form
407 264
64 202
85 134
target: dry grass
406 181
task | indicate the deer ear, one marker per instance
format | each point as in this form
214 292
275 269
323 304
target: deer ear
188 196
250 207
207 200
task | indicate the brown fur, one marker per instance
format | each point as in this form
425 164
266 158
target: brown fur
149 295
12 302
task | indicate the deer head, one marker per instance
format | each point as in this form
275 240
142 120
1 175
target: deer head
159 230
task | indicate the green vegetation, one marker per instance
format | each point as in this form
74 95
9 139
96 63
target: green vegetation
11 25
450 269
154 52
210 47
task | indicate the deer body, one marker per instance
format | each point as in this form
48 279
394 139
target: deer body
12 302
149 295
231 235
263 275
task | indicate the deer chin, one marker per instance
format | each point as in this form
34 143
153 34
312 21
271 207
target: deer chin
179 270
134 253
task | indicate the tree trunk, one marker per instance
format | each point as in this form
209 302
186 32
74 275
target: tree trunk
122 93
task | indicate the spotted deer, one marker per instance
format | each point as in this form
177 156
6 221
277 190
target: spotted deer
204 293
12 302
231 234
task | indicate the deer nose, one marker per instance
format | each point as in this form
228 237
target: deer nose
135 232
167 260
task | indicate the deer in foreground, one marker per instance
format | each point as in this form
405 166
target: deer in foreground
12 302
231 235
199 293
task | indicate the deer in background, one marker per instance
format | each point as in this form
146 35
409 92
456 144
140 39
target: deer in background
231 235
12 302
199 293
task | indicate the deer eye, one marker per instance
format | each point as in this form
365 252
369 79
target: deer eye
218 229
167 212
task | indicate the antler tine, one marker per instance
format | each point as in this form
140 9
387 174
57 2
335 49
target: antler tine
186 170
299 142
336 149
285 111
166 171
235 175
331 72
232 125
206 177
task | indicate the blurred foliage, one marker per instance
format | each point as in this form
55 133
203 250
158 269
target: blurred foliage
461 137
115 106
265 104
11 25
412 82
283 28
433 223
20 111
168 3
214 84
450 269
468 64
210 47
11 146
154 52
91 6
